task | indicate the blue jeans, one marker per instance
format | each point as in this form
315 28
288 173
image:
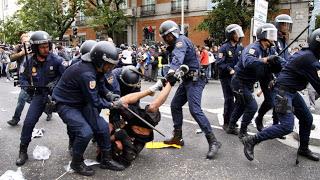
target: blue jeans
22 99
191 92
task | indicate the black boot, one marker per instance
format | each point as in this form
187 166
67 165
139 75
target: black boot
176 139
23 155
13 122
306 152
259 123
225 122
243 132
80 167
249 142
214 145
108 163
232 130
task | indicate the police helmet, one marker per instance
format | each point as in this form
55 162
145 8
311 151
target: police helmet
130 77
233 28
37 38
314 42
85 49
169 26
268 32
283 18
104 52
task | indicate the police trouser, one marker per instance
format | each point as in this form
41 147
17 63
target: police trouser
79 126
245 104
268 102
228 98
35 110
191 92
295 102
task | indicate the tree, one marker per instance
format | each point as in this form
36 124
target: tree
227 12
11 29
106 16
54 16
317 23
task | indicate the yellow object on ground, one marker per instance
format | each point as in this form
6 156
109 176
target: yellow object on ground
159 145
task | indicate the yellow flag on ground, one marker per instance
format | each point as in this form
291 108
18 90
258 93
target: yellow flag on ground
159 145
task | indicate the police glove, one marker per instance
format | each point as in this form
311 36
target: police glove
30 90
112 97
117 104
273 59
170 77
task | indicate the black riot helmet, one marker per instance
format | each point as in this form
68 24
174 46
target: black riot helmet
130 76
233 28
283 19
169 27
37 38
85 49
267 32
104 52
314 42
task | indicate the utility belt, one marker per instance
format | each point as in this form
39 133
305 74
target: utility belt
193 75
282 104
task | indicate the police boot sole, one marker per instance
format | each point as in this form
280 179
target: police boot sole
20 162
12 123
311 157
180 143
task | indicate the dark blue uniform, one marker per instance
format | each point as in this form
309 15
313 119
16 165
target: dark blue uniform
280 44
249 69
79 100
190 90
228 58
303 67
38 74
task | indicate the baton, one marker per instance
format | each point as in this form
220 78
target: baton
146 122
283 50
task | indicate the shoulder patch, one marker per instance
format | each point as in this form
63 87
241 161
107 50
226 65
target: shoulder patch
252 51
92 84
179 44
34 70
65 63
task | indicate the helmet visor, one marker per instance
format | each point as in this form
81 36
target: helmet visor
271 34
285 27
238 31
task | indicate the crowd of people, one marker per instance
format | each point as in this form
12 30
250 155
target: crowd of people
102 76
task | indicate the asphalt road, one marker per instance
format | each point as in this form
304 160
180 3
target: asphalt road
273 159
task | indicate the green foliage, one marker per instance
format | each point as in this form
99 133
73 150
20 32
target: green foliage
230 12
317 23
54 16
10 30
106 16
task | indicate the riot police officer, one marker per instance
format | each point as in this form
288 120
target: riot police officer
252 66
303 67
38 77
283 23
79 97
84 49
190 90
229 54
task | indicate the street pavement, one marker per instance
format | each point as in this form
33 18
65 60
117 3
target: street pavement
274 159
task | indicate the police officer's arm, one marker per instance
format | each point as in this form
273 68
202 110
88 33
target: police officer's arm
312 73
25 73
251 58
90 90
221 62
178 54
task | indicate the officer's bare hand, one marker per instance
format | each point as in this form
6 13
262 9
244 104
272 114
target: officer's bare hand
232 72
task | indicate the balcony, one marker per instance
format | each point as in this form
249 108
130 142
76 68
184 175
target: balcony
176 6
148 10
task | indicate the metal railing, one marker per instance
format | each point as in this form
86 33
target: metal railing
148 10
176 6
